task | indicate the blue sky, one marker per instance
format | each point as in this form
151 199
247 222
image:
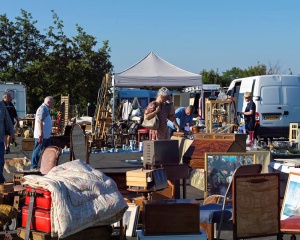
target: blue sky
191 34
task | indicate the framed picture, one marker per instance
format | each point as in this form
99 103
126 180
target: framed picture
219 168
130 219
291 201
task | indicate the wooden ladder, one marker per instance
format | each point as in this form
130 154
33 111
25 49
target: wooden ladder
103 119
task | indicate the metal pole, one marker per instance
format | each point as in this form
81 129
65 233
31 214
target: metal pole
113 112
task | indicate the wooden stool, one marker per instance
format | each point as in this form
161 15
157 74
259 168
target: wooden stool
143 132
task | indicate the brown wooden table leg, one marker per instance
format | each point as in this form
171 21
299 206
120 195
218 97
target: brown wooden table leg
184 188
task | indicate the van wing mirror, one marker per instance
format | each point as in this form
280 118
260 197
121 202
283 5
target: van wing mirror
256 98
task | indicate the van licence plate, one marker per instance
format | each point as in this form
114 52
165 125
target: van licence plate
271 117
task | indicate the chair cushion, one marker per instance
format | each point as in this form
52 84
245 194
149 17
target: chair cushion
143 130
290 224
211 213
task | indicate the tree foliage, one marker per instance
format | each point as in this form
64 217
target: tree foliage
213 77
52 63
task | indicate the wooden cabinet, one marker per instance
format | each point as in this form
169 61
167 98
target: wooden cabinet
219 116
204 142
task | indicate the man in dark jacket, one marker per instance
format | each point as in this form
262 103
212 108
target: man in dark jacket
8 127
13 115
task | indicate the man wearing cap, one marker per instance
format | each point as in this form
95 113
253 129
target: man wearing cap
249 114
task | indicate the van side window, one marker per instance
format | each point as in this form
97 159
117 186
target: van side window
271 95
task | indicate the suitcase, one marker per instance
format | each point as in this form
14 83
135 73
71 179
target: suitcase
42 199
178 216
92 233
40 219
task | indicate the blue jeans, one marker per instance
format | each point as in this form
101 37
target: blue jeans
37 151
171 131
2 179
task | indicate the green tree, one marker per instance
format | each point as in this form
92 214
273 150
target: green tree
20 43
53 63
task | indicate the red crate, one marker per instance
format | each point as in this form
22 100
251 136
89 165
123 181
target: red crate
42 199
40 219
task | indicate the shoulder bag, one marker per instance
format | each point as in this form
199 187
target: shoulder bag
159 176
152 123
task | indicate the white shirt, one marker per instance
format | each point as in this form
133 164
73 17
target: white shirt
43 115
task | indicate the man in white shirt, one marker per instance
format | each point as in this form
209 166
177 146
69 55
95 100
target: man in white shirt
42 130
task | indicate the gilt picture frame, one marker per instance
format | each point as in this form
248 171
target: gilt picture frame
291 201
219 168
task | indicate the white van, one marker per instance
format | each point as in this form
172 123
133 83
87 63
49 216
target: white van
18 94
277 99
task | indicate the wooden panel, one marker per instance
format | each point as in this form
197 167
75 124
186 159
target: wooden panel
180 216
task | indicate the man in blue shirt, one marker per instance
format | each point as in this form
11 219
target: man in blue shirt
42 131
184 115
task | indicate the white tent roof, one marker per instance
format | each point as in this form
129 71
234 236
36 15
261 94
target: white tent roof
153 71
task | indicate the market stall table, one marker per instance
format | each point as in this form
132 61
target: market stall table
28 121
284 167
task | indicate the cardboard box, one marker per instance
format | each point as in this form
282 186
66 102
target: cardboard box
28 144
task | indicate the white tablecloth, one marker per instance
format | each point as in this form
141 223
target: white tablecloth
284 167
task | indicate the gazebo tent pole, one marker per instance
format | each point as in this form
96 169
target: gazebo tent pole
113 112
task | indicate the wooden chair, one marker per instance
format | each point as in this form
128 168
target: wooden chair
79 148
213 213
256 205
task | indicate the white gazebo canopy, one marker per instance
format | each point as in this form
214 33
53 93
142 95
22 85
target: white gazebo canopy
153 71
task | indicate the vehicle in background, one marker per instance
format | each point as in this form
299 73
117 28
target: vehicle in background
17 91
197 97
277 102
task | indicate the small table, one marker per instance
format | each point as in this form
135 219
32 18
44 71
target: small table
145 192
142 190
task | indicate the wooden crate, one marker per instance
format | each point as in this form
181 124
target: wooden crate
28 144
